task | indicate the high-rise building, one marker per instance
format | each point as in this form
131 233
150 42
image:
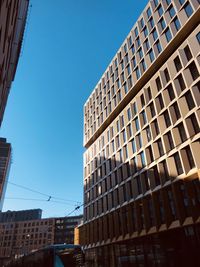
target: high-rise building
20 215
12 23
64 229
142 140
5 161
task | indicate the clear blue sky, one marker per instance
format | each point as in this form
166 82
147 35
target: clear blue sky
68 45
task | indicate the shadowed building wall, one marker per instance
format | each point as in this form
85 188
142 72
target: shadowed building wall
5 162
141 133
12 23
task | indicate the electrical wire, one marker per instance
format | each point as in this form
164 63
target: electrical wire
50 197
77 208
40 200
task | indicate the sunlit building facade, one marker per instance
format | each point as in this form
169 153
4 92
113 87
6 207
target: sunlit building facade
142 140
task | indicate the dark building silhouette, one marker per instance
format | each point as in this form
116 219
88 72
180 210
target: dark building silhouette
142 140
12 23
20 215
64 229
5 161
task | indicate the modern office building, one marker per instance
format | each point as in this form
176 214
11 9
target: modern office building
20 215
12 23
64 229
23 237
142 140
5 162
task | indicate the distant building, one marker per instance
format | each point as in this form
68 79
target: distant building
22 232
20 215
19 238
12 23
5 162
64 229
142 140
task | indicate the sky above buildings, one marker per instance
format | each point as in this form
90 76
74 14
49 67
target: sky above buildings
67 47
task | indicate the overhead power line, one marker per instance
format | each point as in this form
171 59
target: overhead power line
49 197
40 200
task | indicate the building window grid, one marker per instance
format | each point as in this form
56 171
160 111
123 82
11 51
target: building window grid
115 63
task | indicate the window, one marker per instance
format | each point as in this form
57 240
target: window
168 35
170 140
129 130
143 65
151 55
177 64
160 147
182 132
137 126
149 12
124 136
138 42
181 82
130 41
139 140
152 109
133 145
187 53
134 62
133 49
134 108
146 181
172 12
142 22
136 32
145 31
129 114
125 48
128 69
166 73
158 84
144 117
151 22
188 9
160 10
147 45
170 91
178 164
155 35
177 23
139 186
189 157
155 124
181 1
160 99
198 37
140 53
194 123
193 70
142 159
142 100
137 71
125 88
130 83
149 93
190 101
155 2
162 23
176 110
148 133
167 118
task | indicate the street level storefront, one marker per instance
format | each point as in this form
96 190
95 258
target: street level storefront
174 248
